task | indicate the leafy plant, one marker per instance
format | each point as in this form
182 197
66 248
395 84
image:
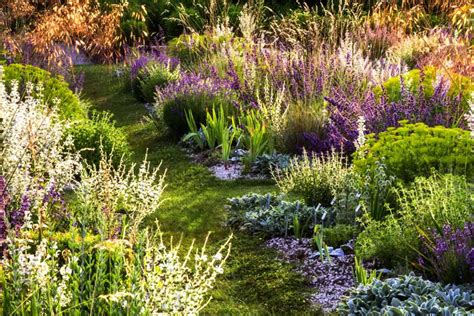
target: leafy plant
215 126
256 138
228 137
377 190
216 132
297 227
99 131
194 134
267 163
407 294
361 274
429 202
272 215
318 239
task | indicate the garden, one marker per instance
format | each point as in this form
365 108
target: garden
163 157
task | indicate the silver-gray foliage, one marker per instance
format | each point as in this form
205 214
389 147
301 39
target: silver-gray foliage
408 295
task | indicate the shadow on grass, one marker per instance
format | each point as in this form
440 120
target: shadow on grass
254 281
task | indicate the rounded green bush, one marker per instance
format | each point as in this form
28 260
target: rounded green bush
413 150
55 87
154 75
99 130
428 79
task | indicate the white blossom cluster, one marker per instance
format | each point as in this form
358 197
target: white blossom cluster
360 141
470 115
35 153
351 57
31 270
105 190
169 284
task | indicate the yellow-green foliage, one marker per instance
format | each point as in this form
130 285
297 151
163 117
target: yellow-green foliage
54 87
193 47
72 240
427 203
415 149
428 78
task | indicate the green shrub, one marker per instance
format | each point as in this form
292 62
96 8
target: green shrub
54 88
415 149
428 79
408 295
339 234
99 130
265 163
427 203
154 75
315 178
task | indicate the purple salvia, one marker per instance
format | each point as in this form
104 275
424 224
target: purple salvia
17 216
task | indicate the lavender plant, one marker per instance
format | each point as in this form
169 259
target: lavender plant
429 202
379 113
193 92
448 254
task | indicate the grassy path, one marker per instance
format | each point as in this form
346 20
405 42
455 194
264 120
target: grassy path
254 282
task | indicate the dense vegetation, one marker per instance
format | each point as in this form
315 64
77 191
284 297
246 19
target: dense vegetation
227 157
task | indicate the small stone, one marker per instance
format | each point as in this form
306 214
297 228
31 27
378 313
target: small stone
337 253
349 247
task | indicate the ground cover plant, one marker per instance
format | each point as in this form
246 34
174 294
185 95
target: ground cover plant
229 157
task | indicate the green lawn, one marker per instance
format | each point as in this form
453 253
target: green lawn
254 281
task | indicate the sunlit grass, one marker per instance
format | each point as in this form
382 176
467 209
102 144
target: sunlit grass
254 282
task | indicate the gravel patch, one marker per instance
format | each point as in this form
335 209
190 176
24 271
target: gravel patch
332 280
227 172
